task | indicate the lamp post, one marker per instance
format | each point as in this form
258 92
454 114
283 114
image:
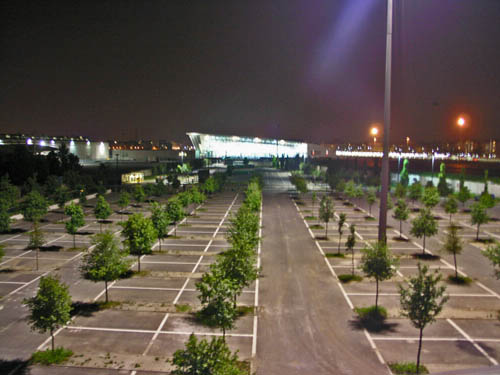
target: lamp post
461 126
374 133
382 228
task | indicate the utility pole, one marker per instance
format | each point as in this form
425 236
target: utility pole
382 229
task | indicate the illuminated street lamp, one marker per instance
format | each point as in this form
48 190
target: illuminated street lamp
461 123
374 133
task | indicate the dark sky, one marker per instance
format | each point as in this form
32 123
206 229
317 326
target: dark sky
295 69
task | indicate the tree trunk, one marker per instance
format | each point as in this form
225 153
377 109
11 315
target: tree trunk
401 229
423 248
100 226
326 230
338 250
224 333
477 233
419 350
450 218
175 229
106 288
37 258
74 241
352 260
52 338
376 295
370 210
455 260
138 263
159 240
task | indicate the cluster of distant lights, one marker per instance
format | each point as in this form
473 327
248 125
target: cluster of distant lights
410 155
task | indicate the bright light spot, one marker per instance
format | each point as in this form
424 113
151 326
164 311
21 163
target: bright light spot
42 143
461 121
374 131
88 143
236 138
29 141
256 139
52 142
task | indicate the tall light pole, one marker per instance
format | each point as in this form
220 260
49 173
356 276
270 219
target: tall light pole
382 228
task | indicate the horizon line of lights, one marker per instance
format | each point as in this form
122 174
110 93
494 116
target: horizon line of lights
394 155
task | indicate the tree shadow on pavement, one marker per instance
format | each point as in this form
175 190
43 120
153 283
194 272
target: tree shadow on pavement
373 324
14 367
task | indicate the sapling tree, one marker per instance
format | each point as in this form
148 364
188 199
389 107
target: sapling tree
175 212
160 220
35 207
493 254
140 235
51 306
2 252
342 218
450 206
430 198
313 200
326 212
102 210
106 262
464 195
124 201
4 216
139 194
415 192
479 216
422 301
76 219
378 262
424 225
371 198
453 245
401 213
400 191
350 243
37 240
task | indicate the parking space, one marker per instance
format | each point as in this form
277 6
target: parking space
466 333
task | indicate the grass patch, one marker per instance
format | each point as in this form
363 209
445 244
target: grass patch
89 308
183 308
316 226
310 218
372 318
245 310
334 255
488 241
306 210
49 357
347 278
369 218
406 368
459 280
202 209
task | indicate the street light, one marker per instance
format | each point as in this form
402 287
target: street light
461 123
374 133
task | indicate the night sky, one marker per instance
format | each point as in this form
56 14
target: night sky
293 69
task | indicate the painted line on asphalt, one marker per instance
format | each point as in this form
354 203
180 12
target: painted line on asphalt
256 297
468 338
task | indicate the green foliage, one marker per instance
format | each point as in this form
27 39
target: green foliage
51 306
487 200
124 200
243 229
415 191
197 196
175 212
184 198
424 225
350 243
61 196
350 189
140 236
378 262
422 300
450 205
184 168
479 216
4 217
37 239
139 194
453 245
102 209
401 213
205 358
160 220
400 191
76 220
407 368
2 252
371 198
430 197
342 218
347 278
107 262
404 175
443 188
372 317
51 357
326 211
34 207
464 195
299 182
253 196
493 254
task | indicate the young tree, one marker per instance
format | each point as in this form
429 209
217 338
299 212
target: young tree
350 190
61 197
204 358
216 296
493 254
107 262
424 225
350 243
35 207
401 213
415 192
378 262
4 217
175 212
76 219
124 201
478 216
371 198
140 236
430 197
326 212
9 193
342 218
2 252
464 195
139 194
102 210
443 188
51 306
400 191
450 205
160 220
422 301
313 200
37 239
453 245
198 197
